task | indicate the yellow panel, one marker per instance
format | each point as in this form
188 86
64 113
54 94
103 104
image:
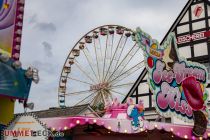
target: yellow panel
6 110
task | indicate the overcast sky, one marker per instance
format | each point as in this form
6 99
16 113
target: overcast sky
52 27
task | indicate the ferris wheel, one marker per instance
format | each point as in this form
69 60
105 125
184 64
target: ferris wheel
102 65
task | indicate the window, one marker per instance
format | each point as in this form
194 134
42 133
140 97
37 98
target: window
143 88
185 18
185 52
200 49
199 25
183 29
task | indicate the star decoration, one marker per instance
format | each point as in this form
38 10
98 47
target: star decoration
6 6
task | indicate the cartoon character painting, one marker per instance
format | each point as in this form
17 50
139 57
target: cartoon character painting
136 112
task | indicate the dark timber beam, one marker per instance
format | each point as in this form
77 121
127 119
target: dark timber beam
141 95
136 84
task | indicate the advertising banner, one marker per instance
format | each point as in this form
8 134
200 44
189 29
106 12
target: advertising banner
25 127
178 85
11 18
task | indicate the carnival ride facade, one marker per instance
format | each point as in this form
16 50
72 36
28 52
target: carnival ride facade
15 82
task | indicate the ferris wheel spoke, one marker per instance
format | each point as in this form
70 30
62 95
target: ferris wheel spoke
121 71
117 92
84 82
100 58
97 48
85 73
96 99
126 60
121 85
106 95
110 50
89 101
104 64
81 101
78 92
128 72
90 61
117 58
119 53
109 41
112 59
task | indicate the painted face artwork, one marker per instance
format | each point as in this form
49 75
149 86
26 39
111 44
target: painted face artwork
178 85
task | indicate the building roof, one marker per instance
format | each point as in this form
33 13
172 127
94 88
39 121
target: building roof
64 112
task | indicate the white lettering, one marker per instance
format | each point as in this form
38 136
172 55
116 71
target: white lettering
188 38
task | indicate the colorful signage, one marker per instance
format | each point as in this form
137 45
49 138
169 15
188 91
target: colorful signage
178 85
11 18
193 37
25 127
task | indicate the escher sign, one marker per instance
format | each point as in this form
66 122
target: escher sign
193 37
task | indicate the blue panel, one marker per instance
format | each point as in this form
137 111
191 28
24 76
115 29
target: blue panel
13 82
1 4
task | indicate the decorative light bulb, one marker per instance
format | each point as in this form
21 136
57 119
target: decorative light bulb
77 121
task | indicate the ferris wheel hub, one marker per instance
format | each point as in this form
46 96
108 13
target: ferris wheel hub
100 86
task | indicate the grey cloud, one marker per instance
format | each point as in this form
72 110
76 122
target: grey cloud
47 49
145 4
46 26
44 66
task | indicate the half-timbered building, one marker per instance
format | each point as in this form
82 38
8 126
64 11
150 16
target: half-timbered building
192 29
